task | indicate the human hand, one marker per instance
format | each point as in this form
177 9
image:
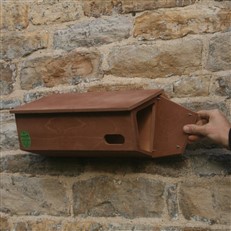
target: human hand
212 124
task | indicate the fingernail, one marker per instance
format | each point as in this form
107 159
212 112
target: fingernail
186 128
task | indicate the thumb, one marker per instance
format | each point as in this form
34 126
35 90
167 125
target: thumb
194 129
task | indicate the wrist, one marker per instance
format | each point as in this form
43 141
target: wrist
229 139
225 138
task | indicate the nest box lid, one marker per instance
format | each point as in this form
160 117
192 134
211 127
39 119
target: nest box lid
89 102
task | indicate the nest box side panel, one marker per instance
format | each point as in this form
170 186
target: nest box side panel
145 126
169 138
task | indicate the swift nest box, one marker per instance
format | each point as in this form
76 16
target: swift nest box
120 123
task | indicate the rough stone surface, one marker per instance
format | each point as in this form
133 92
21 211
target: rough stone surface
137 5
14 15
109 197
219 59
32 96
176 23
206 201
39 225
208 104
37 164
156 61
168 167
19 45
62 46
54 11
8 135
4 224
9 103
23 195
210 162
7 78
32 163
66 69
172 202
91 225
93 33
221 85
192 86
116 87
97 8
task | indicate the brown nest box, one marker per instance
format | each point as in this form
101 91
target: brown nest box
119 123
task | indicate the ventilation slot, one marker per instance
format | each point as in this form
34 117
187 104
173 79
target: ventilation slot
114 139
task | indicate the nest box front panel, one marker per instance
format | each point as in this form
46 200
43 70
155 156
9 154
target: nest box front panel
76 131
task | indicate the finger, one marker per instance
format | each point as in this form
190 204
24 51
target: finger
204 114
194 129
193 138
201 122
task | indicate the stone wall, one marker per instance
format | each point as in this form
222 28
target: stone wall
50 46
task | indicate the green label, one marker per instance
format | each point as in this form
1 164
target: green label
25 139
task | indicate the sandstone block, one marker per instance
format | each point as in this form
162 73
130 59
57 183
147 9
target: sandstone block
222 201
87 225
179 22
7 78
19 45
50 71
39 225
4 223
221 84
8 135
137 5
105 196
116 87
192 86
210 162
156 61
165 83
93 33
91 225
20 226
22 195
112 226
9 103
97 8
175 166
37 164
202 229
38 94
32 96
14 15
206 104
54 11
134 226
206 201
219 57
